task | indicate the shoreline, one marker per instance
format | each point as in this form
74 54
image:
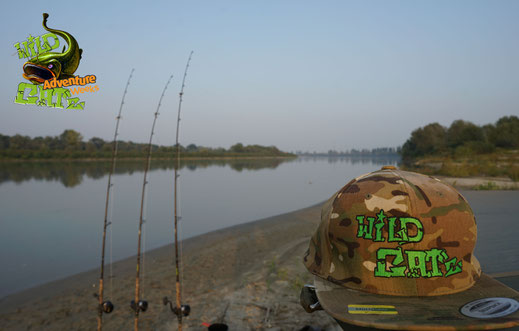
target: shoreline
247 275
481 183
187 244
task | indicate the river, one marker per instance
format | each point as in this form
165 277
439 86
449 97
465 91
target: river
52 212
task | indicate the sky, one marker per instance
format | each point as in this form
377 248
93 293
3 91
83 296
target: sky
300 75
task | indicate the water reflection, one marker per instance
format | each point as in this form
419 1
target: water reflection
59 207
71 173
376 160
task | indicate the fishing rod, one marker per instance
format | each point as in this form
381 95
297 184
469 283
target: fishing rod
180 309
138 305
107 306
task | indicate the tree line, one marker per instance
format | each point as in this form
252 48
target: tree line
70 145
462 138
379 151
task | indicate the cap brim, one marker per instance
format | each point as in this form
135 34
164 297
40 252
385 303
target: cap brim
414 313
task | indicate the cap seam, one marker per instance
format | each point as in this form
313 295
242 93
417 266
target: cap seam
328 243
402 294
407 295
410 205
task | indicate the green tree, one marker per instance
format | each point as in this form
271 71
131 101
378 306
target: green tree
20 142
53 143
427 140
461 132
506 132
4 141
97 142
191 148
237 148
38 143
71 139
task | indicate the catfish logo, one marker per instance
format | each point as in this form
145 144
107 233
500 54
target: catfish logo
54 70
398 262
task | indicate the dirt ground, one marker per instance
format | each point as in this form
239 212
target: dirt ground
248 276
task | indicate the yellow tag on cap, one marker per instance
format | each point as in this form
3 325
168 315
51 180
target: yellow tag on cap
388 167
372 309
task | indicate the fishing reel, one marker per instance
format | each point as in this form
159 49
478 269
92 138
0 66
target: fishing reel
184 309
142 305
106 307
308 299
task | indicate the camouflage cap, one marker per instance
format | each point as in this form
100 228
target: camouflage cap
394 249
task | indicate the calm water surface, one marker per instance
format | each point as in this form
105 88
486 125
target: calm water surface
52 213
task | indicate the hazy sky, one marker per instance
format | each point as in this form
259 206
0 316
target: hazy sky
301 75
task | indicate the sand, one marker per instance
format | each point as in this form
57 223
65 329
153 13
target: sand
248 276
494 183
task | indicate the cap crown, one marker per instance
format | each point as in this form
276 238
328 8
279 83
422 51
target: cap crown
397 233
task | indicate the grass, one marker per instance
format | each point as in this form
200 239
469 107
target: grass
272 272
295 276
490 186
298 283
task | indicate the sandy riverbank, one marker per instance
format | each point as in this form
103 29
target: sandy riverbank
481 183
248 276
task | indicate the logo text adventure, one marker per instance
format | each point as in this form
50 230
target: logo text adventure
51 74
